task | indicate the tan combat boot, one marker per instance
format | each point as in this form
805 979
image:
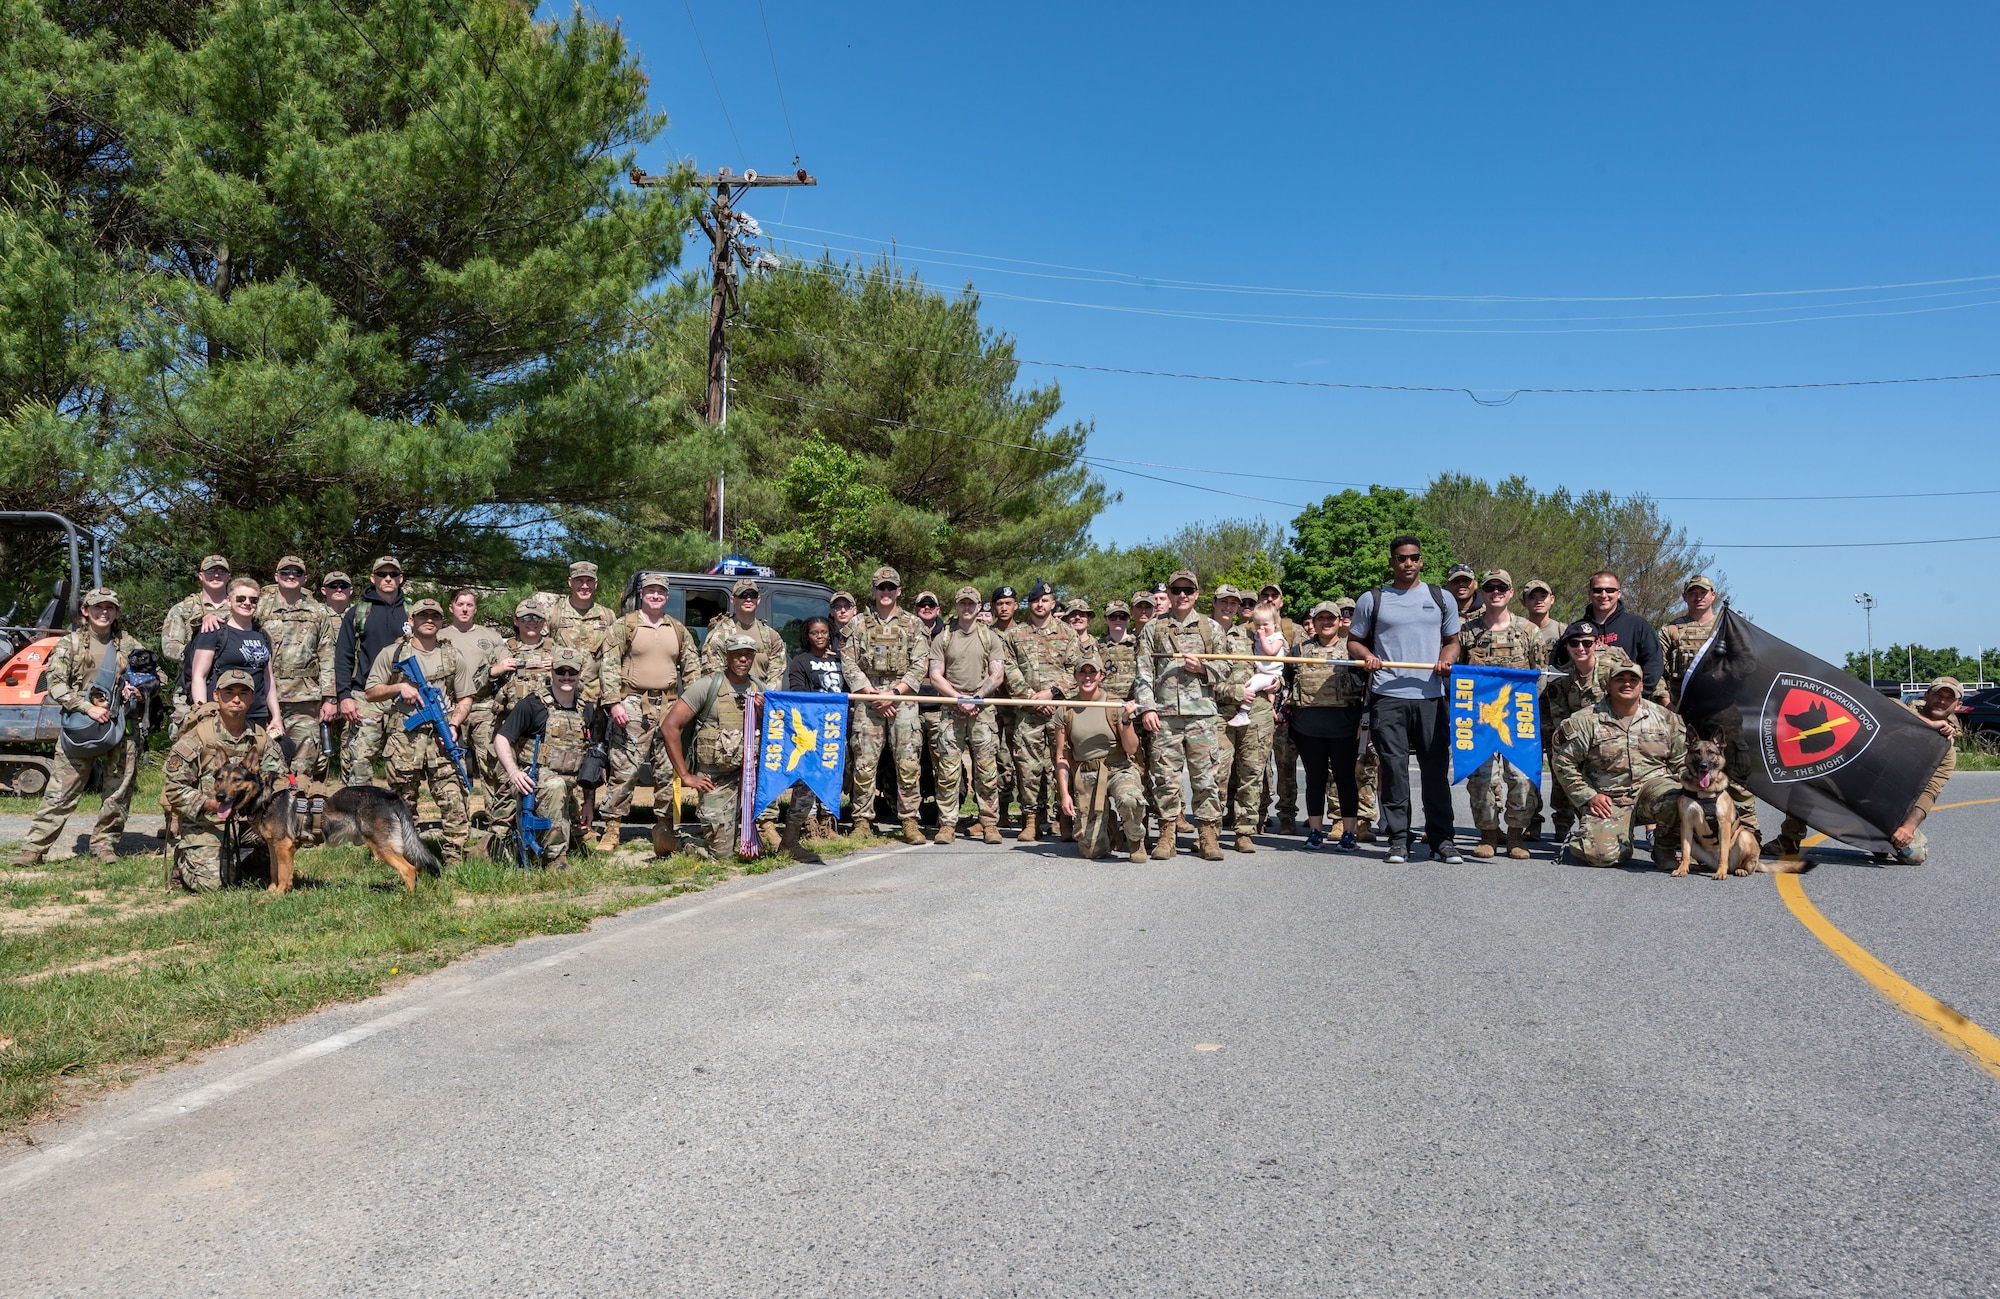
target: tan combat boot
1183 826
912 832
1488 841
28 857
947 831
1207 841
1515 848
768 838
992 831
1028 834
1244 843
608 841
663 839
788 842
1068 829
1137 840
1164 847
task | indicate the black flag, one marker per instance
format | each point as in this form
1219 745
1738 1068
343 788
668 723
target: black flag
1821 745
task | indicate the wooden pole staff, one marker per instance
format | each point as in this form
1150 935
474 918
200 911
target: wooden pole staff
1005 703
1289 658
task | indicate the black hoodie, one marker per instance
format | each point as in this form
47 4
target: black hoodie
385 621
1632 634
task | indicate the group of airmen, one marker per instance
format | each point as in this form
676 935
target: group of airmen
527 706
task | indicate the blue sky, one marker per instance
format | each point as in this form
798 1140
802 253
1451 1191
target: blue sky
1437 154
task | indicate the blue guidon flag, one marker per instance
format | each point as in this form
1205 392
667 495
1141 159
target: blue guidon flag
803 738
1495 710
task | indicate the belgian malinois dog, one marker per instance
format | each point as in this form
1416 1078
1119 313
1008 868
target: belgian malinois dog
361 815
1710 832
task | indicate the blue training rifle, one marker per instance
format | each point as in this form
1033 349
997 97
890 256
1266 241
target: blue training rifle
531 825
432 712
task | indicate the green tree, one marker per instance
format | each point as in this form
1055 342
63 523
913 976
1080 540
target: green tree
1340 547
333 278
1920 663
951 469
1562 538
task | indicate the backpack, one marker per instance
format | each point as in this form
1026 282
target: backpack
1375 611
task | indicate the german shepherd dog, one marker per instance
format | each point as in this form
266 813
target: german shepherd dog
1710 832
357 815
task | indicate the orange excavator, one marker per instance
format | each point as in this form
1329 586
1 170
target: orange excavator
29 723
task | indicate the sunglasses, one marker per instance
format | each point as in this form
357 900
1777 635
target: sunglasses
291 572
529 617
242 599
1406 559
1180 590
339 586
887 586
1604 590
1580 642
927 604
566 672
396 573
215 572
1496 586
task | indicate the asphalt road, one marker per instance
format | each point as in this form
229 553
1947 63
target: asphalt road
1006 1071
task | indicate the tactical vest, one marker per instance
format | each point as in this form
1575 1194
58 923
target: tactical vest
885 646
1315 686
1121 666
445 679
718 735
523 681
564 736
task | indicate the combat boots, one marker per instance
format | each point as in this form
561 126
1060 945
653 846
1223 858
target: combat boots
608 841
1287 825
1137 839
1244 842
912 832
947 830
663 839
1488 841
1164 847
1028 834
1183 826
768 838
992 830
1515 848
788 842
1208 841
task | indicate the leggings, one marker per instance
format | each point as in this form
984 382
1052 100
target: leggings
1338 753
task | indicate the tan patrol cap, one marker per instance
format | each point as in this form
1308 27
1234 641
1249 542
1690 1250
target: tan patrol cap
1326 606
385 562
1699 581
1345 604
744 586
1114 608
1090 660
531 608
886 574
1497 575
927 597
1228 592
1078 605
654 577
1948 683
336 576
426 606
236 677
1627 666
290 561
967 593
738 642
583 568
838 596
566 656
1145 598
1537 584
213 561
1185 575
1272 587
101 595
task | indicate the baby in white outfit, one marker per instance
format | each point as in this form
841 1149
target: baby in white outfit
1268 678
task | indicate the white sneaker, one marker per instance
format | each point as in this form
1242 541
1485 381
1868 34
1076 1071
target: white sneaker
1451 857
1395 859
1241 719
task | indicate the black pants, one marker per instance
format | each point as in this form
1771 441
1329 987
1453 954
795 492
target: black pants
1404 727
1336 754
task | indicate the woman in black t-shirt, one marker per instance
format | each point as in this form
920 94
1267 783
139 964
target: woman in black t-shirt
241 644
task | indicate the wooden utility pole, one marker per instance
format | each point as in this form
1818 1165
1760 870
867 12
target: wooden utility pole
718 222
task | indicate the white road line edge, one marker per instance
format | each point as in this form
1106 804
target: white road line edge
48 1158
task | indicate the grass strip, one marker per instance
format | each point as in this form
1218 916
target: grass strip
104 976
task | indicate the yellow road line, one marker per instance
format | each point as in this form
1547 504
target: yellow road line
1950 1027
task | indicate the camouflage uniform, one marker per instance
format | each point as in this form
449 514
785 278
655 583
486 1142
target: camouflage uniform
1004 720
479 645
1103 787
1920 849
302 637
1283 755
557 795
1680 641
718 753
1042 658
503 804
416 759
1637 763
1246 750
768 669
885 652
1562 698
177 633
1187 739
1498 787
188 784
643 741
1121 665
952 734
583 631
68 676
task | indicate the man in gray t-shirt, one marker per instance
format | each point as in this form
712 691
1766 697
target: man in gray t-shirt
1408 628
1409 621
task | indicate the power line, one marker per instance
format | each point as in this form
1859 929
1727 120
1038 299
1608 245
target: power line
1841 545
1474 393
1148 281
741 154
779 81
